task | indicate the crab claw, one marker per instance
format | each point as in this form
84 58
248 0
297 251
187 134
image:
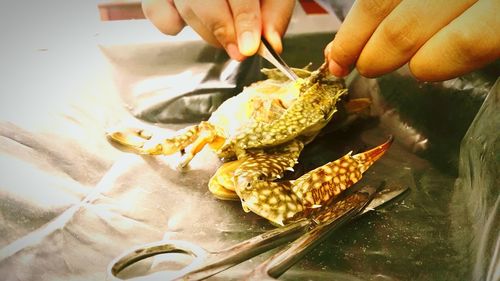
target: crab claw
283 201
221 185
271 200
321 185
367 158
134 140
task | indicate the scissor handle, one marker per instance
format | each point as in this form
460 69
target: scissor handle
141 252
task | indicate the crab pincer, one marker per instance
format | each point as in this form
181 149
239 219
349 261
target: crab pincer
284 201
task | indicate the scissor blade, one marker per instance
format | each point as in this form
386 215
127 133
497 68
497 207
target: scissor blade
267 52
222 260
384 196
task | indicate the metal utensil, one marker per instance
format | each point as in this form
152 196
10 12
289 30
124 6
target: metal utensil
206 263
266 51
280 262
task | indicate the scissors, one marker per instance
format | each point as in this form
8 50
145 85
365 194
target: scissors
266 51
307 233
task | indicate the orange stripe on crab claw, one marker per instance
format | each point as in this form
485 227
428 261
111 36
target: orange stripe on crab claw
370 156
321 185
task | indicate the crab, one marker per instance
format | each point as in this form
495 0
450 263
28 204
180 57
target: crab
260 134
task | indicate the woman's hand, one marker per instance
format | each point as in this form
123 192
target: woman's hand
438 39
235 25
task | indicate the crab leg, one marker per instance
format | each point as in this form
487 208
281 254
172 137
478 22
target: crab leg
142 142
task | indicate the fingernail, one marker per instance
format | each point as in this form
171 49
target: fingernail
336 69
275 40
327 50
248 43
233 52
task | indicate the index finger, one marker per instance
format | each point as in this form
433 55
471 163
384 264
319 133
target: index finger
214 24
247 23
163 15
275 18
357 28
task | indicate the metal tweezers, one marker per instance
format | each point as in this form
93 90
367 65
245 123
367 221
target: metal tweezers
266 51
307 233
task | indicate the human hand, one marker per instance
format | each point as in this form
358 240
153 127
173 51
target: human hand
438 39
235 25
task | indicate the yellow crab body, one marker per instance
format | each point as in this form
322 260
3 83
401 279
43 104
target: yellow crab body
261 132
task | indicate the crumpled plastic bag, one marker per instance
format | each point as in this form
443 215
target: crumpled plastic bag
126 199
